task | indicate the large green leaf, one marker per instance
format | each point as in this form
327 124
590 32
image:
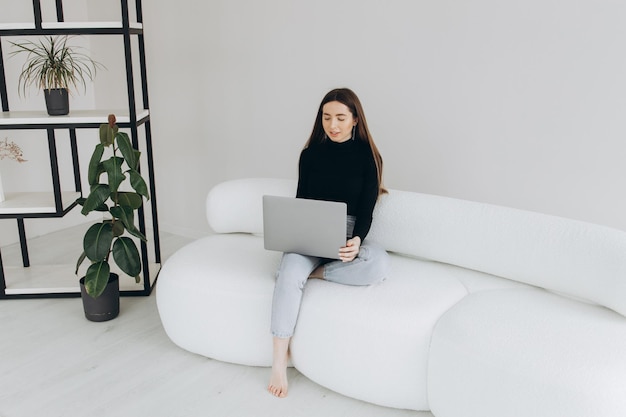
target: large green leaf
102 207
95 169
96 198
137 156
138 184
81 258
96 278
135 232
113 167
118 229
127 257
97 241
107 133
132 200
127 216
127 150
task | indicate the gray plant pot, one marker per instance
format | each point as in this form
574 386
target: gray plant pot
107 306
57 101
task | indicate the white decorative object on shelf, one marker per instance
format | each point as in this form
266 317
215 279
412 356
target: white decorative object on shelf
9 150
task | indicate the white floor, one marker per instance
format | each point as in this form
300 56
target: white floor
53 362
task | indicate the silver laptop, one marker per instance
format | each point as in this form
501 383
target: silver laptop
308 227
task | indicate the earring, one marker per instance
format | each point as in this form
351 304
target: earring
353 132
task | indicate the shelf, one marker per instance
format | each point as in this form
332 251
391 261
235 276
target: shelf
17 26
60 279
38 119
51 278
88 25
35 203
85 27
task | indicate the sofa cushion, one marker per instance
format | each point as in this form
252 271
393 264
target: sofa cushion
215 297
237 205
527 352
579 259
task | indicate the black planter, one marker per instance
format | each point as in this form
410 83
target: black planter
107 306
57 101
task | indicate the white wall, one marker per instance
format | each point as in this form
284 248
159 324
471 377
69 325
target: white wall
518 103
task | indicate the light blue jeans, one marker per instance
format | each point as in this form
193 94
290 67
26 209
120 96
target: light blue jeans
371 266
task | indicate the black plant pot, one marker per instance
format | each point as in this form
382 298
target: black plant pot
107 306
57 101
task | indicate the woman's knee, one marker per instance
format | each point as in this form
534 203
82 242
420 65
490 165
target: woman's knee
294 270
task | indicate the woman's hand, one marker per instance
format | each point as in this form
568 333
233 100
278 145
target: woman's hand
351 250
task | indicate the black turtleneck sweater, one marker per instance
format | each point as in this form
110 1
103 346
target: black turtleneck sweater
343 172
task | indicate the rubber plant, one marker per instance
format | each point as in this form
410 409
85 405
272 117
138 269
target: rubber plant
109 238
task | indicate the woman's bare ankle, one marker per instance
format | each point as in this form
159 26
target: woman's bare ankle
278 385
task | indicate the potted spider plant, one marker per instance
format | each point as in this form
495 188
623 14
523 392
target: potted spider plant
54 66
109 239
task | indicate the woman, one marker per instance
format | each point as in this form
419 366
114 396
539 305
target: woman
339 162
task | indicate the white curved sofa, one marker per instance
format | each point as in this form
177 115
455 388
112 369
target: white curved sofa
488 311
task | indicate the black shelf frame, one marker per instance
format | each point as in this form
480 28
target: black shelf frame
134 123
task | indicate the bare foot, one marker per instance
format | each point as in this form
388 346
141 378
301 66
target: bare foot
278 380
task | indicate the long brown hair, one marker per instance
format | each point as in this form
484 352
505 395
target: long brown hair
348 98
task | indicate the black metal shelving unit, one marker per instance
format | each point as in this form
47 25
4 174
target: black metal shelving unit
60 202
